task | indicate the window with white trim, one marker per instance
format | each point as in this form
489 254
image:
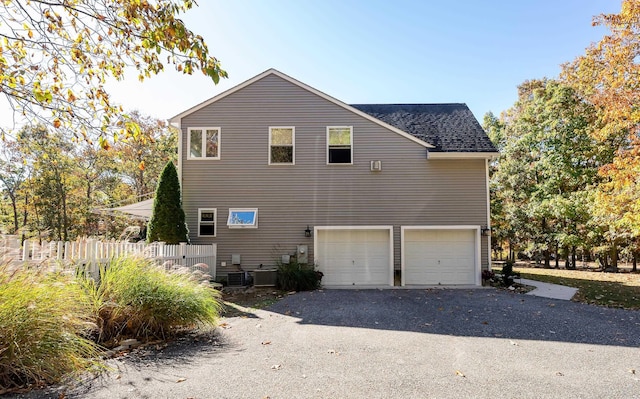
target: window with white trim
203 143
340 145
243 218
207 222
282 145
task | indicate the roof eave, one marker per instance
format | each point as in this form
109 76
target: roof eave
463 155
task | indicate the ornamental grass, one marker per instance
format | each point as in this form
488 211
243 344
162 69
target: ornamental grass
44 322
136 298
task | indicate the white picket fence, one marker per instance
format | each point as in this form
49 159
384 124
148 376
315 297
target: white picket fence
93 253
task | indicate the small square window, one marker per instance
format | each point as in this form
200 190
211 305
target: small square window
243 218
339 145
206 222
204 143
281 145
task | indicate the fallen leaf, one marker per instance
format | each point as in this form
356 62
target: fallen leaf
559 374
513 343
224 325
266 342
459 373
181 379
632 371
552 305
276 367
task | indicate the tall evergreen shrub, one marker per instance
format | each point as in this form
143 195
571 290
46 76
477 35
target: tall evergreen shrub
168 220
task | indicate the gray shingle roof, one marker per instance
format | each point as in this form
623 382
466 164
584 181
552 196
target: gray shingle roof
449 127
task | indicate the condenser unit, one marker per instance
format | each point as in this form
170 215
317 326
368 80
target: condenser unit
236 279
265 278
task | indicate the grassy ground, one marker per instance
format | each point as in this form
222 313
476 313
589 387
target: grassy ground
595 287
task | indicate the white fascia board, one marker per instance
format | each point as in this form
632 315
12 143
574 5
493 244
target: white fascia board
463 155
176 120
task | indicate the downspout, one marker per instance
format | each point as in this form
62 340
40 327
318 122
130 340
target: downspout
488 213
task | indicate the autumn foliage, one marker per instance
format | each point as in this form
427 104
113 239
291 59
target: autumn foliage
608 76
56 56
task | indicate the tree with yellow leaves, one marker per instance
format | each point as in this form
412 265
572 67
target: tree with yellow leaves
56 56
608 76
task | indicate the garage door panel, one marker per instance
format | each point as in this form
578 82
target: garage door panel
354 256
439 256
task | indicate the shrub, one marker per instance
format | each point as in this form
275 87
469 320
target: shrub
135 298
507 273
168 220
44 319
294 276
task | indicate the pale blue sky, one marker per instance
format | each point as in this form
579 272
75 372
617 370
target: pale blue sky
395 51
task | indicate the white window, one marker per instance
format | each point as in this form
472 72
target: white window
204 143
282 145
243 218
207 222
340 145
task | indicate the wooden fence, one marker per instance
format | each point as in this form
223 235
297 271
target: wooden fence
93 253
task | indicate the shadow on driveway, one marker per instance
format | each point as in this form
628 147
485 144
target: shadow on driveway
470 313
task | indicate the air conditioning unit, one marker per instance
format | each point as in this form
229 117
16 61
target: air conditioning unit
265 278
236 279
376 166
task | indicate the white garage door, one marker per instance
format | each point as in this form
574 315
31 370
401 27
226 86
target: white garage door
433 257
352 257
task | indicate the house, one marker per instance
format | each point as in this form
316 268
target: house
372 195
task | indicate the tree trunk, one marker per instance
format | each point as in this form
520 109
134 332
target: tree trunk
573 258
557 257
634 268
547 258
614 258
14 206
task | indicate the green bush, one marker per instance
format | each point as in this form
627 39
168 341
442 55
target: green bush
507 273
168 219
135 298
294 276
44 319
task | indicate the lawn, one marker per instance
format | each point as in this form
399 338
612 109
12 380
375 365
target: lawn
595 287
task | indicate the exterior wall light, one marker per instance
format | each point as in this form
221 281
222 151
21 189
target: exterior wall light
307 232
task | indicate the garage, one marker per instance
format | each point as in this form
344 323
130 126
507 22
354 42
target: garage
354 256
440 255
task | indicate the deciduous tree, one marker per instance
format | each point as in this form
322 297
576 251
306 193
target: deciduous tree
56 55
608 76
547 167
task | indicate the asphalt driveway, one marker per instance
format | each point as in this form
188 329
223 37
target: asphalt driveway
479 343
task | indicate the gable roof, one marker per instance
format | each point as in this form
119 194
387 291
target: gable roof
176 120
449 127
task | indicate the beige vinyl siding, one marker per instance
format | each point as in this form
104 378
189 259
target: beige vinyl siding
410 190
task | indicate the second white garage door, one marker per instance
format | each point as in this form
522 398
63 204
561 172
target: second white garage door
440 256
354 257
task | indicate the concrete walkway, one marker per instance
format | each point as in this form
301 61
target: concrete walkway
547 290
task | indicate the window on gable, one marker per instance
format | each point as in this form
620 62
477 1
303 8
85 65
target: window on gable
207 222
204 143
339 145
282 145
239 218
